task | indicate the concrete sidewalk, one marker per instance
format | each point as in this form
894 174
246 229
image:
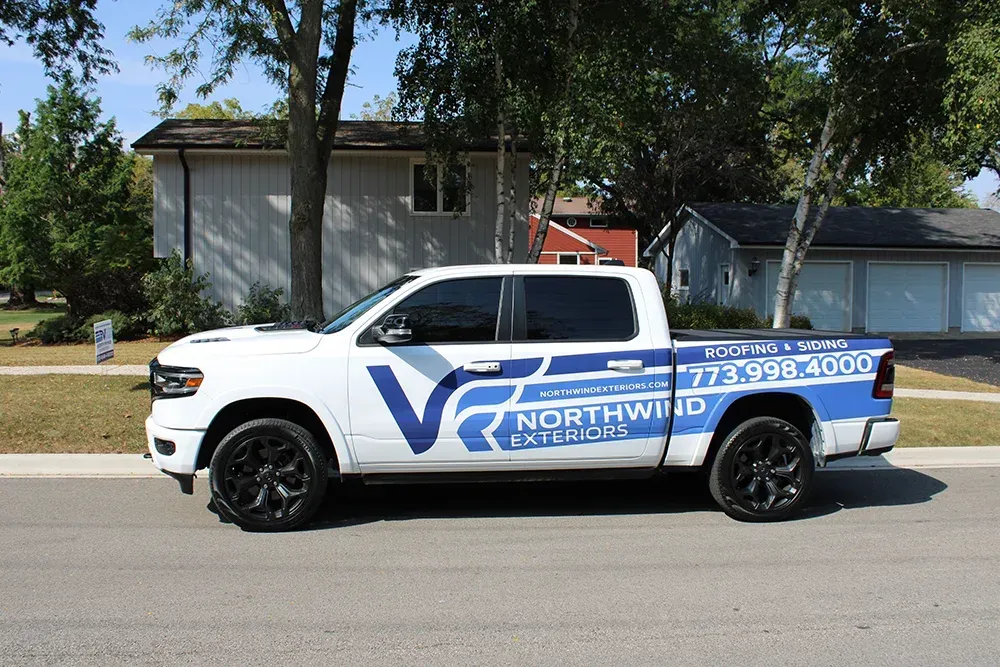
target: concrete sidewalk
947 395
131 370
134 466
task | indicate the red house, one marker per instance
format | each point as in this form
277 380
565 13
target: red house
580 234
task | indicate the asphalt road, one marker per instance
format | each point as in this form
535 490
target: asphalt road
888 567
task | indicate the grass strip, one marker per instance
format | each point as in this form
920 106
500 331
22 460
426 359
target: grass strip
70 413
139 352
915 378
933 423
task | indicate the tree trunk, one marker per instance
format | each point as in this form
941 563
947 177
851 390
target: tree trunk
513 210
22 297
312 127
501 167
832 190
555 175
559 159
308 181
788 276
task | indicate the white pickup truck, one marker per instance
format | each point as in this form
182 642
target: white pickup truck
512 371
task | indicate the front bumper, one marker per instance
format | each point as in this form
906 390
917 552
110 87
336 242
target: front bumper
183 462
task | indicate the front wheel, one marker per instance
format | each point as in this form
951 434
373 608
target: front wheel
763 471
268 475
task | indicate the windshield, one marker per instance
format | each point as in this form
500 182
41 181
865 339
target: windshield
345 317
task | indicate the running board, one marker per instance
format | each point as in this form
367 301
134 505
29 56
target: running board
465 477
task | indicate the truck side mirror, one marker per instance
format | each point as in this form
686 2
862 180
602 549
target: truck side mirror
394 329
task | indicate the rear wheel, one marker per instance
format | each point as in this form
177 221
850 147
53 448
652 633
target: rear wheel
268 475
763 471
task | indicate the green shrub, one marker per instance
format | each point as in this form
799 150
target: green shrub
263 306
125 326
796 322
176 304
710 316
62 329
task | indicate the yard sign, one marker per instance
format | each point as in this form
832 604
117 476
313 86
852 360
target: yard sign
104 341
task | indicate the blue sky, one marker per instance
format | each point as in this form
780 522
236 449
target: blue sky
130 95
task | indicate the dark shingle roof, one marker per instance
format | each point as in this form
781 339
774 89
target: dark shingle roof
351 135
856 226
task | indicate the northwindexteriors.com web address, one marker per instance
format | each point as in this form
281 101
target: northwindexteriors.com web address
605 389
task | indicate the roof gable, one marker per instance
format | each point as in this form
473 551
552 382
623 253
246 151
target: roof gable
564 240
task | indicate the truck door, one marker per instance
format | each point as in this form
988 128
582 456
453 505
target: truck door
441 396
601 391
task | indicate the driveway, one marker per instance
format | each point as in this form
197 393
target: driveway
888 567
974 359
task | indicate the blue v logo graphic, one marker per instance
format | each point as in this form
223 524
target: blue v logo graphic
422 431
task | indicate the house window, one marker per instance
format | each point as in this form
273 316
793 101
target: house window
598 222
569 258
571 222
685 278
437 189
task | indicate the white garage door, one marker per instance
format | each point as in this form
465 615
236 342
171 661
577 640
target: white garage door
981 300
907 297
823 293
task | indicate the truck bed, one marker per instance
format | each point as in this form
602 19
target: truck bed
713 335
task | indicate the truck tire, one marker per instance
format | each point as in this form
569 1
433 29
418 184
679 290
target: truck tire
268 475
763 471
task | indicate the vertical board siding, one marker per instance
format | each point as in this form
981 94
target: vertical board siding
241 203
168 205
701 250
240 208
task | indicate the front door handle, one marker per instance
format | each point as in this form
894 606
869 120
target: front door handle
625 365
482 367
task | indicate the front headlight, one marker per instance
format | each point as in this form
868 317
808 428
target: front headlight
172 382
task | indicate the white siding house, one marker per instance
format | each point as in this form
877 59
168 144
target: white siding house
373 231
869 269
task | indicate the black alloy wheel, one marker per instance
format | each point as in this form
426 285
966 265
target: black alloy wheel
763 471
767 472
268 475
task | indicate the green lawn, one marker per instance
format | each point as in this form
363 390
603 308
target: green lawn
71 413
140 352
25 320
933 423
914 378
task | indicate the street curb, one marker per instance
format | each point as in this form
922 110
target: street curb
78 465
134 466
922 457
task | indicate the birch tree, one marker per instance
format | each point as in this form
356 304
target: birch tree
883 69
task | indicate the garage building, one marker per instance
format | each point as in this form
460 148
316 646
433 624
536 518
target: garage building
869 269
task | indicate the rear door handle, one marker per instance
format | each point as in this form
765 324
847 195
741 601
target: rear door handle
482 367
625 365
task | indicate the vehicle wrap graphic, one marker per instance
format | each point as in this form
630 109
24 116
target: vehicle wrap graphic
575 399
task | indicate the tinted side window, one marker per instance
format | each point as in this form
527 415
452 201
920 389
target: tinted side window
578 308
454 311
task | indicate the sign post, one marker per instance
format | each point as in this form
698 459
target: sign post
104 341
